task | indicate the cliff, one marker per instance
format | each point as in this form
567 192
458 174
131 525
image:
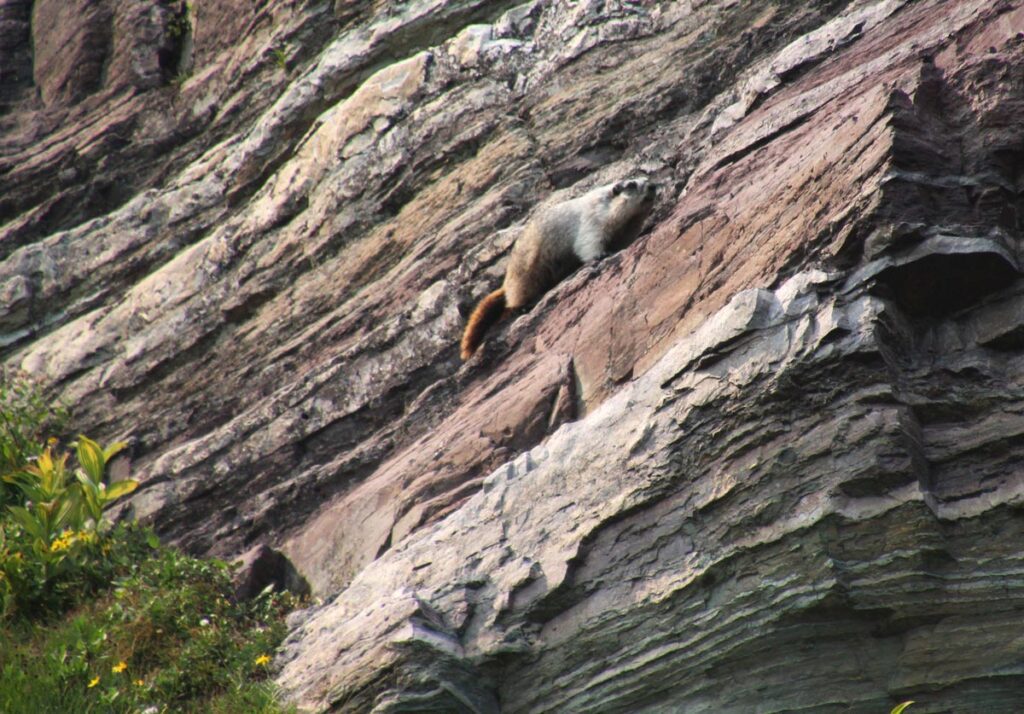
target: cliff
766 458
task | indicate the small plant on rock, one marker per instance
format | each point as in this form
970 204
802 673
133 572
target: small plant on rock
279 56
181 23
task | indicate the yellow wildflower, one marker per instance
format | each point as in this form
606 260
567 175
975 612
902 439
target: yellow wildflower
59 544
140 682
262 660
119 667
93 682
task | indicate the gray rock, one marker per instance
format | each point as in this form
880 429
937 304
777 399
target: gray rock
262 567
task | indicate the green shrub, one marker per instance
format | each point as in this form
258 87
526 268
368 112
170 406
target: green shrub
97 616
27 420
35 585
167 635
56 547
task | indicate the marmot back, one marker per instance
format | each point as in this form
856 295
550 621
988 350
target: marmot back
556 242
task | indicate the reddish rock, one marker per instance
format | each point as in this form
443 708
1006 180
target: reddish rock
71 42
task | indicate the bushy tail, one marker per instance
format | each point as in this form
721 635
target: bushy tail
489 311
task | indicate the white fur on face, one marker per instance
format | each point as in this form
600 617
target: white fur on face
606 212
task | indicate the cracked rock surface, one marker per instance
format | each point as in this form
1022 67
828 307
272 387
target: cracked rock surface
766 458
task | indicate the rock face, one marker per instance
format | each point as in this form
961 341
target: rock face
262 567
767 458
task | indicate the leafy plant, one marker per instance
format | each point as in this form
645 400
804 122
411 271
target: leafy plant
50 502
27 420
97 616
95 495
56 544
54 503
899 708
279 55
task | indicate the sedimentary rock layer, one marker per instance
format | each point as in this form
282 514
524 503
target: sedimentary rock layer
767 458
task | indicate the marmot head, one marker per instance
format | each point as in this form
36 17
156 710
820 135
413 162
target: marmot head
623 204
635 190
629 198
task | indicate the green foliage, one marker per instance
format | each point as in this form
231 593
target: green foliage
899 708
95 495
98 617
181 24
168 635
27 419
55 546
52 532
36 583
50 501
279 56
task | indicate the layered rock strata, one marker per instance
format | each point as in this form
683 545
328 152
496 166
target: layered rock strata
764 459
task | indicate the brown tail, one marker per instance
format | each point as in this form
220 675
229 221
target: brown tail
489 311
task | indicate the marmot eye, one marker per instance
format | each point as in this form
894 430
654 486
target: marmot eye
631 186
617 189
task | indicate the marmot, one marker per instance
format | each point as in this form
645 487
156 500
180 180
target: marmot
556 242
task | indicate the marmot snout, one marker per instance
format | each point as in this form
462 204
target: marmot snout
557 241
